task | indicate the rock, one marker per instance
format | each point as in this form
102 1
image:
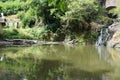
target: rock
17 42
114 27
115 40
111 4
115 36
23 42
74 41
5 43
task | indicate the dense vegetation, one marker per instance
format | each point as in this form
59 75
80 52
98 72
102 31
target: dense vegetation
76 19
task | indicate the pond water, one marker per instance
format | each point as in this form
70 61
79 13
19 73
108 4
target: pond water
59 62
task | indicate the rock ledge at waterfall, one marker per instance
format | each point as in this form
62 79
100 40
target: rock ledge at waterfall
114 41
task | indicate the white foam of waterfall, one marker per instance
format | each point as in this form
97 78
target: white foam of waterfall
104 33
1 59
107 34
103 37
2 15
100 41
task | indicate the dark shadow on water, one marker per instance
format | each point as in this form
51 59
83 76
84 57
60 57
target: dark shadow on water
87 75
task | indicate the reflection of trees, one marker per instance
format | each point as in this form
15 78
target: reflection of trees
9 50
56 62
76 74
9 75
14 69
56 70
46 70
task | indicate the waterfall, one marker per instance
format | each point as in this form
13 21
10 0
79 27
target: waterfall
100 41
103 37
2 15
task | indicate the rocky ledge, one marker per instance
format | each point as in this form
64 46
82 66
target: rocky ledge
17 42
115 35
24 42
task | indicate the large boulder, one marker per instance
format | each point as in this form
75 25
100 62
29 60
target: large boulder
115 36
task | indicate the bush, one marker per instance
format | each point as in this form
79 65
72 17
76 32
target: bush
59 35
52 27
81 13
28 18
13 7
29 33
1 34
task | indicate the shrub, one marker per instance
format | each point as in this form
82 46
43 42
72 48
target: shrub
29 33
80 13
13 7
52 27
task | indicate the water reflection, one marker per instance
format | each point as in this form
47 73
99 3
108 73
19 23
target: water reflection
58 62
104 54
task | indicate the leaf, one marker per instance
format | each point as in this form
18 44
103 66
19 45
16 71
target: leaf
52 11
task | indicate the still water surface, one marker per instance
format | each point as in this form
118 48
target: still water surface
59 62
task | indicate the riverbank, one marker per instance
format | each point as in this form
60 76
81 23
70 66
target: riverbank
25 42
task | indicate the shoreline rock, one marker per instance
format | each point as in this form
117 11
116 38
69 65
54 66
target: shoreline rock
24 42
17 42
114 41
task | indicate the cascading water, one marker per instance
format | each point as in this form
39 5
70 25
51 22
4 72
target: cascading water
104 33
99 41
103 37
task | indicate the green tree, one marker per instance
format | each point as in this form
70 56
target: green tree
49 11
80 12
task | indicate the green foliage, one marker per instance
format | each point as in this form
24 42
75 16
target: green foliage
28 33
81 9
49 11
21 14
81 40
90 36
57 17
80 13
48 35
6 0
1 34
52 27
59 35
28 18
13 7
